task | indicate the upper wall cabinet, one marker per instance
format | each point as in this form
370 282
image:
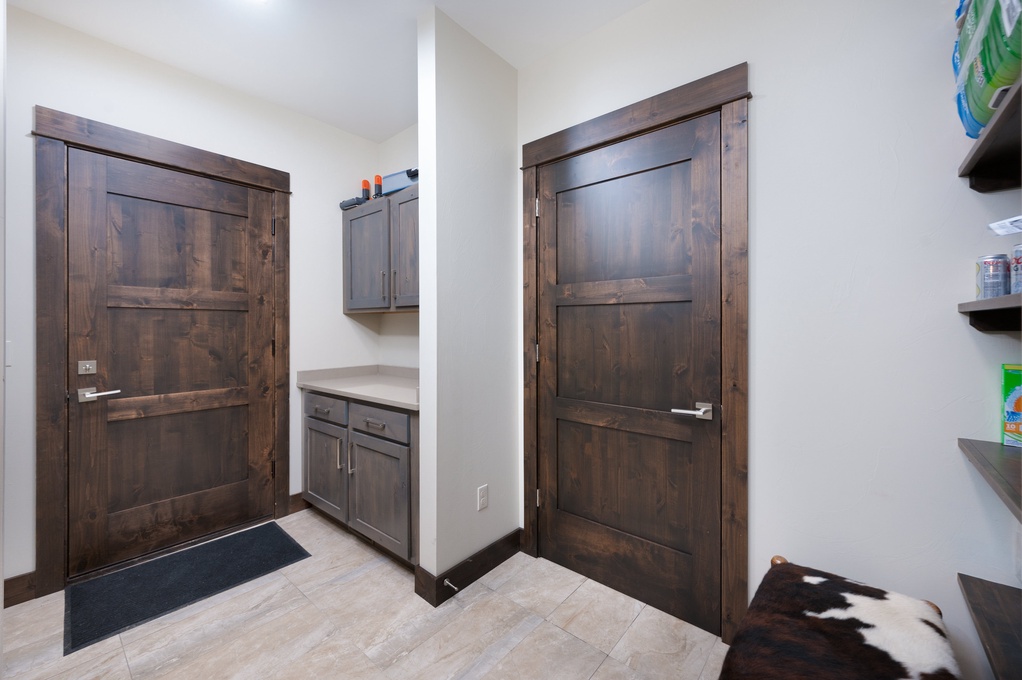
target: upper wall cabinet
381 254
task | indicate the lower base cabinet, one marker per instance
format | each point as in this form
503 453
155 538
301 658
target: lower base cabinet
378 492
325 450
359 462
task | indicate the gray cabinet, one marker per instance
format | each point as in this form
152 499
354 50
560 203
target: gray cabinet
324 454
360 463
381 254
378 492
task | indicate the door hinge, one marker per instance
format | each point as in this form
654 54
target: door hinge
537 352
273 469
537 206
273 227
273 347
537 498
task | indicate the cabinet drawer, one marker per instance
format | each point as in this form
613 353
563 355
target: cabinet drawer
321 406
380 422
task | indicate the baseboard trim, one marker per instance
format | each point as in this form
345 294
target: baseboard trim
296 504
433 589
18 589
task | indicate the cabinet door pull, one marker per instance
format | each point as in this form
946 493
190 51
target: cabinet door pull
338 444
383 284
375 423
351 470
393 284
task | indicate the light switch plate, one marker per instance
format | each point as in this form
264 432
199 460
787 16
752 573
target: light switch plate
483 497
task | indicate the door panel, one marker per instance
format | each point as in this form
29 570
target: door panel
629 328
378 483
367 249
404 242
170 289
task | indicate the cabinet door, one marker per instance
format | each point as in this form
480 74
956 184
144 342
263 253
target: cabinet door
379 494
367 257
325 452
404 224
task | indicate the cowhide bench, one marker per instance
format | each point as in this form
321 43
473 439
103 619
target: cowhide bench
806 624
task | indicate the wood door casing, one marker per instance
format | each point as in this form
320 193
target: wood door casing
728 92
629 328
56 133
170 289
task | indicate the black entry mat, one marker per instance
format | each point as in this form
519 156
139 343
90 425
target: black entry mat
100 608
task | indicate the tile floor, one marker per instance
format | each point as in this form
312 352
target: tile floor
349 612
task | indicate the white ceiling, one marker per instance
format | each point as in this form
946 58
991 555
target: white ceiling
348 63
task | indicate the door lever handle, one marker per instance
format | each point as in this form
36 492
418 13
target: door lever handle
90 394
703 411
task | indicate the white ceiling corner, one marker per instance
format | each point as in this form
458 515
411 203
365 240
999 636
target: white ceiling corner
349 64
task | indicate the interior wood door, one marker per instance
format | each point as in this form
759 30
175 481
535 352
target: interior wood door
629 326
170 279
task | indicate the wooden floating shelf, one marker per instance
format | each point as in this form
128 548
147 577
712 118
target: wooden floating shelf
993 163
996 610
1002 313
1001 467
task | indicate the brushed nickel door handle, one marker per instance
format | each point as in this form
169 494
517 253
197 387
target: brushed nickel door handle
703 411
89 394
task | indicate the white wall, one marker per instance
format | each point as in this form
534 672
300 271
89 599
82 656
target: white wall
3 167
469 326
61 69
862 242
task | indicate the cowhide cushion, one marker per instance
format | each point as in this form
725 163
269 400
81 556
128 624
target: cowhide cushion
803 623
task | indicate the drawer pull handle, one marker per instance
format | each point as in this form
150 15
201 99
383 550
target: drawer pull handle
375 423
320 409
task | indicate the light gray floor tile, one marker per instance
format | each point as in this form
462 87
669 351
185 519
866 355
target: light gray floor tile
596 614
550 653
658 645
506 570
541 586
711 671
471 643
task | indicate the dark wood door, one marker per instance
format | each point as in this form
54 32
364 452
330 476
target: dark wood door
171 304
629 329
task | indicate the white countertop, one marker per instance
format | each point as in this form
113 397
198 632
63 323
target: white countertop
389 385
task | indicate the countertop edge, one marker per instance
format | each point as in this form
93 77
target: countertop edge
392 388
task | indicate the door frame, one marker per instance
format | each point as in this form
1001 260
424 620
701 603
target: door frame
727 92
55 132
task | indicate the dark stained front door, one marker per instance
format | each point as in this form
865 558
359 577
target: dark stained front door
170 303
629 329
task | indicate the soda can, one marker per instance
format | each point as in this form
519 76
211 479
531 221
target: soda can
993 277
1016 269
